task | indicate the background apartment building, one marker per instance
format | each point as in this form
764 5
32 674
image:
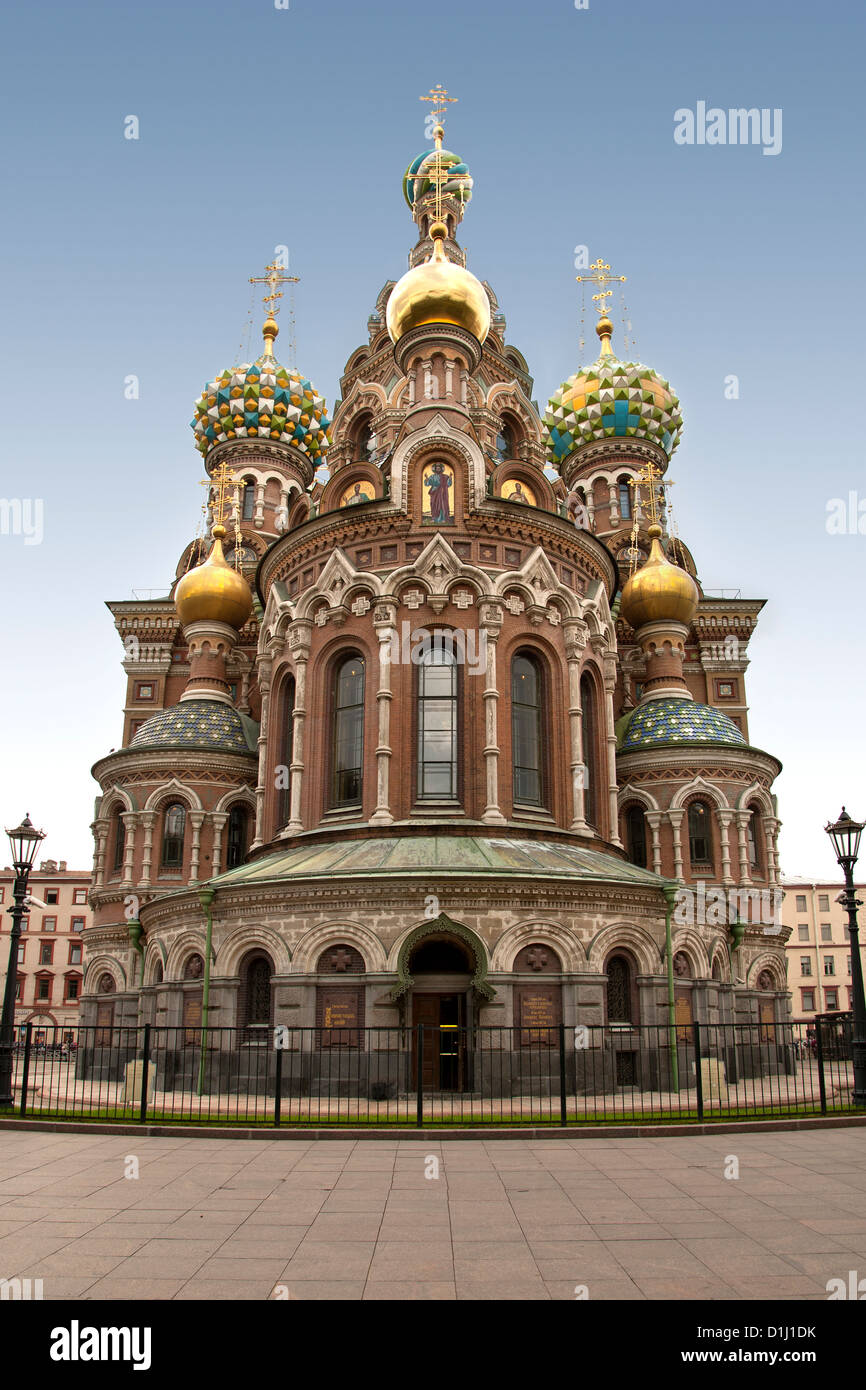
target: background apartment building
51 948
818 948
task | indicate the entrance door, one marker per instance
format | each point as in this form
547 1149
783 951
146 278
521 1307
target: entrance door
442 1020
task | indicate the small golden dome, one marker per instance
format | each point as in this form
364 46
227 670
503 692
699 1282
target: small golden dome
438 291
659 591
214 591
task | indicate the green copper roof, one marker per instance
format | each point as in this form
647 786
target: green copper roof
204 724
435 858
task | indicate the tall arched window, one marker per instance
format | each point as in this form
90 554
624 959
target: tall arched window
173 827
621 1006
284 753
700 835
249 501
624 500
365 440
237 838
589 729
348 752
752 837
255 1002
505 442
635 835
437 724
119 841
526 761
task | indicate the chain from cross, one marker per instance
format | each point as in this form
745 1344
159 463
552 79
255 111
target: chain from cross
221 481
601 278
273 278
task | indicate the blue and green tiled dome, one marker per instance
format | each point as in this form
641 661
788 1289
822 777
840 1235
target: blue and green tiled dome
417 182
263 400
668 721
609 399
200 724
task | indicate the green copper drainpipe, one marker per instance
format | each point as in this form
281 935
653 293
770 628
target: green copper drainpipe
670 898
205 897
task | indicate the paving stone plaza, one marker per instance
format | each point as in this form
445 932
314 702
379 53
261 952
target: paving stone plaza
505 1219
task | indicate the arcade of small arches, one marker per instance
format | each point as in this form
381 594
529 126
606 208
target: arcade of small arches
696 831
171 826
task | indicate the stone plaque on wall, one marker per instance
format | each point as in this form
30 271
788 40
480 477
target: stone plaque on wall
192 1008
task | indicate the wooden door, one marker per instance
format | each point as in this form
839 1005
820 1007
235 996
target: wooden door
425 1011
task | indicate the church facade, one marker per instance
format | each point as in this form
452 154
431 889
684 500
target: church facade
443 728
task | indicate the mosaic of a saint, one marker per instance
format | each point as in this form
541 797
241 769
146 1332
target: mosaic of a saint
438 482
516 491
357 493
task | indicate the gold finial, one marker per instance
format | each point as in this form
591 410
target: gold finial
272 278
440 101
600 277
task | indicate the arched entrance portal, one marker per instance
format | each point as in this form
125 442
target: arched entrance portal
442 968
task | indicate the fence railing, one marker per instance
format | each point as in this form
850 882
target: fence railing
432 1075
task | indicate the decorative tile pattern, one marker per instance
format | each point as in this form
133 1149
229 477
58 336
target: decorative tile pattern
263 400
416 181
194 724
611 398
671 721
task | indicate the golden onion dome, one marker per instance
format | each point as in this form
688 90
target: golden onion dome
438 291
214 591
659 591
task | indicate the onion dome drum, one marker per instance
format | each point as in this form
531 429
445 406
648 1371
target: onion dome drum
611 399
262 400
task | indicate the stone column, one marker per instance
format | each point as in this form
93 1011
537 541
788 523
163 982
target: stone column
260 506
412 372
147 820
384 618
574 631
196 820
614 504
653 819
464 388
743 846
490 626
299 643
612 791
772 826
101 830
449 379
218 820
130 825
266 663
676 820
725 817
427 368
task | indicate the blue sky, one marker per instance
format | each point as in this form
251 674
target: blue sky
261 127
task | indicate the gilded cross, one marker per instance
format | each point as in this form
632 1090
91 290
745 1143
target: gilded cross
221 480
601 278
273 278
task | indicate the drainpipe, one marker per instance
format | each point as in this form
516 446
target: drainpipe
205 897
670 893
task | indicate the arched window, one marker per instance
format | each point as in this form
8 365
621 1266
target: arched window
437 724
752 837
365 440
506 447
348 752
173 827
700 835
119 841
255 1003
284 754
624 500
526 730
248 510
621 1004
589 729
635 835
237 839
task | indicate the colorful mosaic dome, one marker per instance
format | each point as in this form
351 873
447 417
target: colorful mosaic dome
206 724
416 180
263 400
670 721
609 399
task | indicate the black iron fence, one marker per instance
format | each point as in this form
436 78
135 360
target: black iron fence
432 1075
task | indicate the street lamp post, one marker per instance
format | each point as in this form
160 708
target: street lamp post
24 840
845 835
